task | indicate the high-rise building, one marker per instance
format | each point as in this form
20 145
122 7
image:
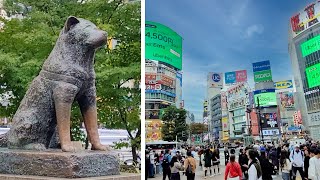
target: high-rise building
304 35
163 76
216 115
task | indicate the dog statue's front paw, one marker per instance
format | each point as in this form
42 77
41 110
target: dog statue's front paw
100 147
68 148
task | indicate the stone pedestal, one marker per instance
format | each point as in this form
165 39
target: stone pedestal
55 163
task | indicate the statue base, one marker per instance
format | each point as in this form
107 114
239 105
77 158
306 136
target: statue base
55 163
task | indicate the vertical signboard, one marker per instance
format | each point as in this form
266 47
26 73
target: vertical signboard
230 77
215 80
178 90
241 76
286 100
262 71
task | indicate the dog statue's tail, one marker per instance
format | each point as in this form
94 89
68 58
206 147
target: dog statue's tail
4 140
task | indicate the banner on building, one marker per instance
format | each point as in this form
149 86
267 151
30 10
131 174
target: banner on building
283 84
306 18
235 77
224 105
261 66
225 124
178 90
153 130
269 120
215 80
238 91
286 100
151 78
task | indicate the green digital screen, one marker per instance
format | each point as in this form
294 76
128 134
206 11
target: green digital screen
261 76
310 46
163 44
266 99
313 75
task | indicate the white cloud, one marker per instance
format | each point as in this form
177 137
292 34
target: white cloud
254 29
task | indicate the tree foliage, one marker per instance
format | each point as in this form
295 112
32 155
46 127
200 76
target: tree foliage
26 43
174 124
198 128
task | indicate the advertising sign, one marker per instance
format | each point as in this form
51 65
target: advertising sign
241 76
269 120
314 119
160 91
235 77
166 80
223 101
163 44
153 86
283 84
237 92
267 97
224 124
261 66
305 19
286 100
230 77
215 80
178 90
262 76
270 132
310 46
254 124
313 75
153 130
151 78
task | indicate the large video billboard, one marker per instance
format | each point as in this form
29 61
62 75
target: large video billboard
313 75
163 44
267 97
305 18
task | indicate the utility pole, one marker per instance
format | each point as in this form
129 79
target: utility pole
259 118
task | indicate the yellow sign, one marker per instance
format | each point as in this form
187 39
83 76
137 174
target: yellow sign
153 130
283 84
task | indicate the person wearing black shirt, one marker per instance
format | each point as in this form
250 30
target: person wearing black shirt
243 161
226 155
266 166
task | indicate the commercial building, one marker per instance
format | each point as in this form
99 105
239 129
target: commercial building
304 34
216 115
238 99
163 76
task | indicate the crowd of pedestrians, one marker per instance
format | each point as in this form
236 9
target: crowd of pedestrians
255 162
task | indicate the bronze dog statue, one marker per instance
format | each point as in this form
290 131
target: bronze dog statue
66 76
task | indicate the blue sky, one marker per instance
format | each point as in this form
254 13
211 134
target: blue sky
228 35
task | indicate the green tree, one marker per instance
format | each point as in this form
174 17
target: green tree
198 128
26 43
174 124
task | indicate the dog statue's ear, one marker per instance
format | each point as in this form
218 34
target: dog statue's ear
71 21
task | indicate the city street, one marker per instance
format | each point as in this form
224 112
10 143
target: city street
200 172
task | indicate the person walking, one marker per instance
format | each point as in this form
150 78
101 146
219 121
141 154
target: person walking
190 166
175 167
243 161
147 164
216 161
254 172
306 162
166 165
152 164
297 160
207 162
233 170
285 165
226 155
267 168
314 166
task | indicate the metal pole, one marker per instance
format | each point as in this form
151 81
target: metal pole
259 118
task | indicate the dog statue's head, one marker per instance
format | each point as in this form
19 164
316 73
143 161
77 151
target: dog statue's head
78 31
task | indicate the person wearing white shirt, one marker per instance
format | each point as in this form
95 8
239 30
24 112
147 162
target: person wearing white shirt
285 165
297 160
314 166
254 172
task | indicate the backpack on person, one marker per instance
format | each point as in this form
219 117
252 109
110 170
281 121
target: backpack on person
165 162
189 168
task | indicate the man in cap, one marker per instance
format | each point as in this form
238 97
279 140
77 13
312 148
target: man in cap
297 160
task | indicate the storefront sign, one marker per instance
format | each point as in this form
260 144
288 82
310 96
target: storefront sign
314 119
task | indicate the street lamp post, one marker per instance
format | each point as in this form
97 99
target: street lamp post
259 119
